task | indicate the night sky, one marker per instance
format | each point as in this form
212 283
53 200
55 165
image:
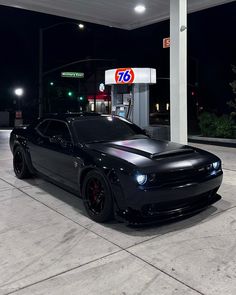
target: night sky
211 49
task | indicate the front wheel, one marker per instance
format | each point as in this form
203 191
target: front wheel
97 197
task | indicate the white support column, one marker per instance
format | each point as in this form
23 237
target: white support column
113 94
178 71
141 105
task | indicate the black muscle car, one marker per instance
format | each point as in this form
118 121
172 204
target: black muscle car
116 168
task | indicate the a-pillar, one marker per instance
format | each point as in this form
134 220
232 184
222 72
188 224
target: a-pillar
178 70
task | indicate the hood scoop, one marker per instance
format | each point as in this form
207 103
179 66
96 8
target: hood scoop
159 155
129 149
172 153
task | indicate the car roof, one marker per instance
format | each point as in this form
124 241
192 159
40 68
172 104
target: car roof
72 116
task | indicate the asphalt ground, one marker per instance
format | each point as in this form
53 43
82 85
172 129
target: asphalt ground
49 246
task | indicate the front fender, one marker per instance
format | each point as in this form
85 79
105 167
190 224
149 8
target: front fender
114 170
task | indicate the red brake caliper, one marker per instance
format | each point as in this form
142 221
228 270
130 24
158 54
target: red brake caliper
95 190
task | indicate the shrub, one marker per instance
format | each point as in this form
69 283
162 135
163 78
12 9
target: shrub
207 123
224 127
214 126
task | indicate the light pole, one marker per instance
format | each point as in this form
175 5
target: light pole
18 116
18 92
41 73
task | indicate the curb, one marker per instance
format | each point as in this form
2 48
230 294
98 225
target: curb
213 141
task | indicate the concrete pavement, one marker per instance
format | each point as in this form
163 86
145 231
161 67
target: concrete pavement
49 246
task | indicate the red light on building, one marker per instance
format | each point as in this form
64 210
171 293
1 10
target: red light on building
18 114
100 96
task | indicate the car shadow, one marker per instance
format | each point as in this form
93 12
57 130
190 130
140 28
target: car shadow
77 210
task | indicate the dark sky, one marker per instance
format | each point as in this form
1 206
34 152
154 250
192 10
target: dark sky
211 46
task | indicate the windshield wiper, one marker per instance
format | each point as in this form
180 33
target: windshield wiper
138 136
98 141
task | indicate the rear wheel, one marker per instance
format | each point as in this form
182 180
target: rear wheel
19 163
97 197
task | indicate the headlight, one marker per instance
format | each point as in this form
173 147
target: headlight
216 165
141 179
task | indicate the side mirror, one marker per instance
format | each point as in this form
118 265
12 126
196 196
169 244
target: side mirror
55 139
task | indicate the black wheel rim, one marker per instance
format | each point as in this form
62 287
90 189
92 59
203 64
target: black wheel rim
95 195
18 162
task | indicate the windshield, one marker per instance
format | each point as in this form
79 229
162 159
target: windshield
107 128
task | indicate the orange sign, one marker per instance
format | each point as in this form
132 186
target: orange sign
166 42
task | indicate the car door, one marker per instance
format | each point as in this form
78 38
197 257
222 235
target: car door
55 153
37 148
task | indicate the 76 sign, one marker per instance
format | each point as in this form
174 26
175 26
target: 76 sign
124 76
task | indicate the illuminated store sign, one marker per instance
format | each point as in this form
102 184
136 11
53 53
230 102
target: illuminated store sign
130 76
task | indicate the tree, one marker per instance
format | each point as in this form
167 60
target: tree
232 102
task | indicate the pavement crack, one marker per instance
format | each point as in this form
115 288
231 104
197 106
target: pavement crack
61 273
68 218
166 273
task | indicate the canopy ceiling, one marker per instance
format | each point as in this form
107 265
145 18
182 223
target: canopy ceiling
119 14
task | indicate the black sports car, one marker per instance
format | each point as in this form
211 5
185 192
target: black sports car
116 168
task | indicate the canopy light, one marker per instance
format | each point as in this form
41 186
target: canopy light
140 8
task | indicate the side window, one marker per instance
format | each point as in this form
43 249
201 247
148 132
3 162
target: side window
57 128
42 127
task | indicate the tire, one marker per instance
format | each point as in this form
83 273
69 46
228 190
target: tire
19 163
97 197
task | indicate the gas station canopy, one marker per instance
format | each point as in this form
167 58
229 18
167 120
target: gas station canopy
114 13
127 15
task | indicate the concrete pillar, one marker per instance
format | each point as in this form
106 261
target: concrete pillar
113 95
141 105
178 71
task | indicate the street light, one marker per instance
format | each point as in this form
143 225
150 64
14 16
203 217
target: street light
81 26
18 115
41 31
19 91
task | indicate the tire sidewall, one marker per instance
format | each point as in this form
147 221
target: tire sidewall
107 212
24 172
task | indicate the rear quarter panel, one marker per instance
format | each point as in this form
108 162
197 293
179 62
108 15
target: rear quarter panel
18 136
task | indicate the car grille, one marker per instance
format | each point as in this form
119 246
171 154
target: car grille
184 177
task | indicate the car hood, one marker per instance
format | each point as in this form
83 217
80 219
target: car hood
147 152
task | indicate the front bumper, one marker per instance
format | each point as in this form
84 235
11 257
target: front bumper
166 204
134 217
